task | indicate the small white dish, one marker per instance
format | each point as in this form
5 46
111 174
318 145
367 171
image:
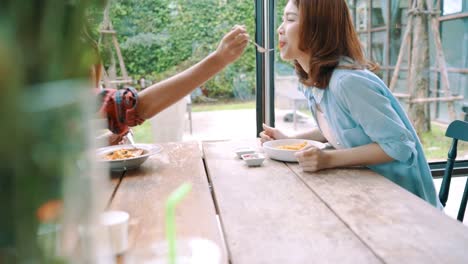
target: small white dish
254 159
273 150
244 150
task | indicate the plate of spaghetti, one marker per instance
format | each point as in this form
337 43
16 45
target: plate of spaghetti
126 157
284 149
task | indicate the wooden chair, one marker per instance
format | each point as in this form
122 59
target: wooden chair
457 130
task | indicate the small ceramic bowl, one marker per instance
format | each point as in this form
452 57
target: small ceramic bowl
244 150
254 159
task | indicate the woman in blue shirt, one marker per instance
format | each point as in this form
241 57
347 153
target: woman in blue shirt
354 109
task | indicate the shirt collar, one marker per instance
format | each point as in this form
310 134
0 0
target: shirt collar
345 60
318 93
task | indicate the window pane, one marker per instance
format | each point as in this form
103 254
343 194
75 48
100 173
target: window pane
361 14
454 34
379 13
363 39
402 84
379 47
399 18
458 86
291 112
169 37
451 7
352 10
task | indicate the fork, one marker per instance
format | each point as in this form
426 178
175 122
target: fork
260 48
130 138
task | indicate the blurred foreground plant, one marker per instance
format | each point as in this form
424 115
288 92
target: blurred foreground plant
44 113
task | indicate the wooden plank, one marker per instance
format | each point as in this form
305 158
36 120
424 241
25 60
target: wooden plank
111 186
143 192
436 99
441 62
269 215
397 225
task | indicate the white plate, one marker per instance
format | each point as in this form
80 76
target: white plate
129 163
271 148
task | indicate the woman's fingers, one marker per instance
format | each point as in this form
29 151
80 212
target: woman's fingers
264 137
313 159
236 30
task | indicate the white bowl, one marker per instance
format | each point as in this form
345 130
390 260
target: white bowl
273 152
254 159
129 163
244 150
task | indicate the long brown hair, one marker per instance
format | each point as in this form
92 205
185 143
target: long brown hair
327 33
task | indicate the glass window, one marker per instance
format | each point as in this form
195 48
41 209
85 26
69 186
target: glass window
454 35
169 37
397 29
361 15
402 82
379 13
352 10
379 47
458 83
451 7
363 39
291 112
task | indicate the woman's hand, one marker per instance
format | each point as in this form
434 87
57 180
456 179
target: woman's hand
232 45
271 133
312 159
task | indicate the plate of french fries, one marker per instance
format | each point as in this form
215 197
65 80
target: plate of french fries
126 157
284 149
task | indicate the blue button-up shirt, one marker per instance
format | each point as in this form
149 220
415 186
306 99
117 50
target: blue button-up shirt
360 110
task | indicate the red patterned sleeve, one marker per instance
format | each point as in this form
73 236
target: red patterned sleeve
119 109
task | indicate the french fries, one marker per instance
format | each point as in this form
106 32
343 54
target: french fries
123 154
298 146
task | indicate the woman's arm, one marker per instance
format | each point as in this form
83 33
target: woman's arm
157 97
271 133
314 159
313 134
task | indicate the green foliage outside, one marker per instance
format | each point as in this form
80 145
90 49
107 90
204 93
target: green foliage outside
159 38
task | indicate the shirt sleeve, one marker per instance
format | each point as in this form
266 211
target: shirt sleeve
369 105
119 109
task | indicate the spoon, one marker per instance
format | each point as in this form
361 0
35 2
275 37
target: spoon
260 48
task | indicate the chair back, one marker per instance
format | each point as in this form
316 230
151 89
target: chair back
457 130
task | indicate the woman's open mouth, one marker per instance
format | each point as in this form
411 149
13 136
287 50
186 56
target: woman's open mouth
281 44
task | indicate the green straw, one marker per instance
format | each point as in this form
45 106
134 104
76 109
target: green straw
174 198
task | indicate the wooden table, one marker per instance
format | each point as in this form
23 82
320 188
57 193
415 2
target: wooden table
278 214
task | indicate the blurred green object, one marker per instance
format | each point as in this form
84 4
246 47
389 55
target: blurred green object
46 176
172 201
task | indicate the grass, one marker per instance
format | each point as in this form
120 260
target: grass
143 133
435 143
223 106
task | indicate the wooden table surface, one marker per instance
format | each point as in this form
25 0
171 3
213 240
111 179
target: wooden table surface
278 214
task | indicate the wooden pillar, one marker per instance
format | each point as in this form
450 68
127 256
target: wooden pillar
420 69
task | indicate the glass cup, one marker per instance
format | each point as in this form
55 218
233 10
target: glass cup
188 251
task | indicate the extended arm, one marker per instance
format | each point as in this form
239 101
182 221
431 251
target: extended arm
157 97
271 133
